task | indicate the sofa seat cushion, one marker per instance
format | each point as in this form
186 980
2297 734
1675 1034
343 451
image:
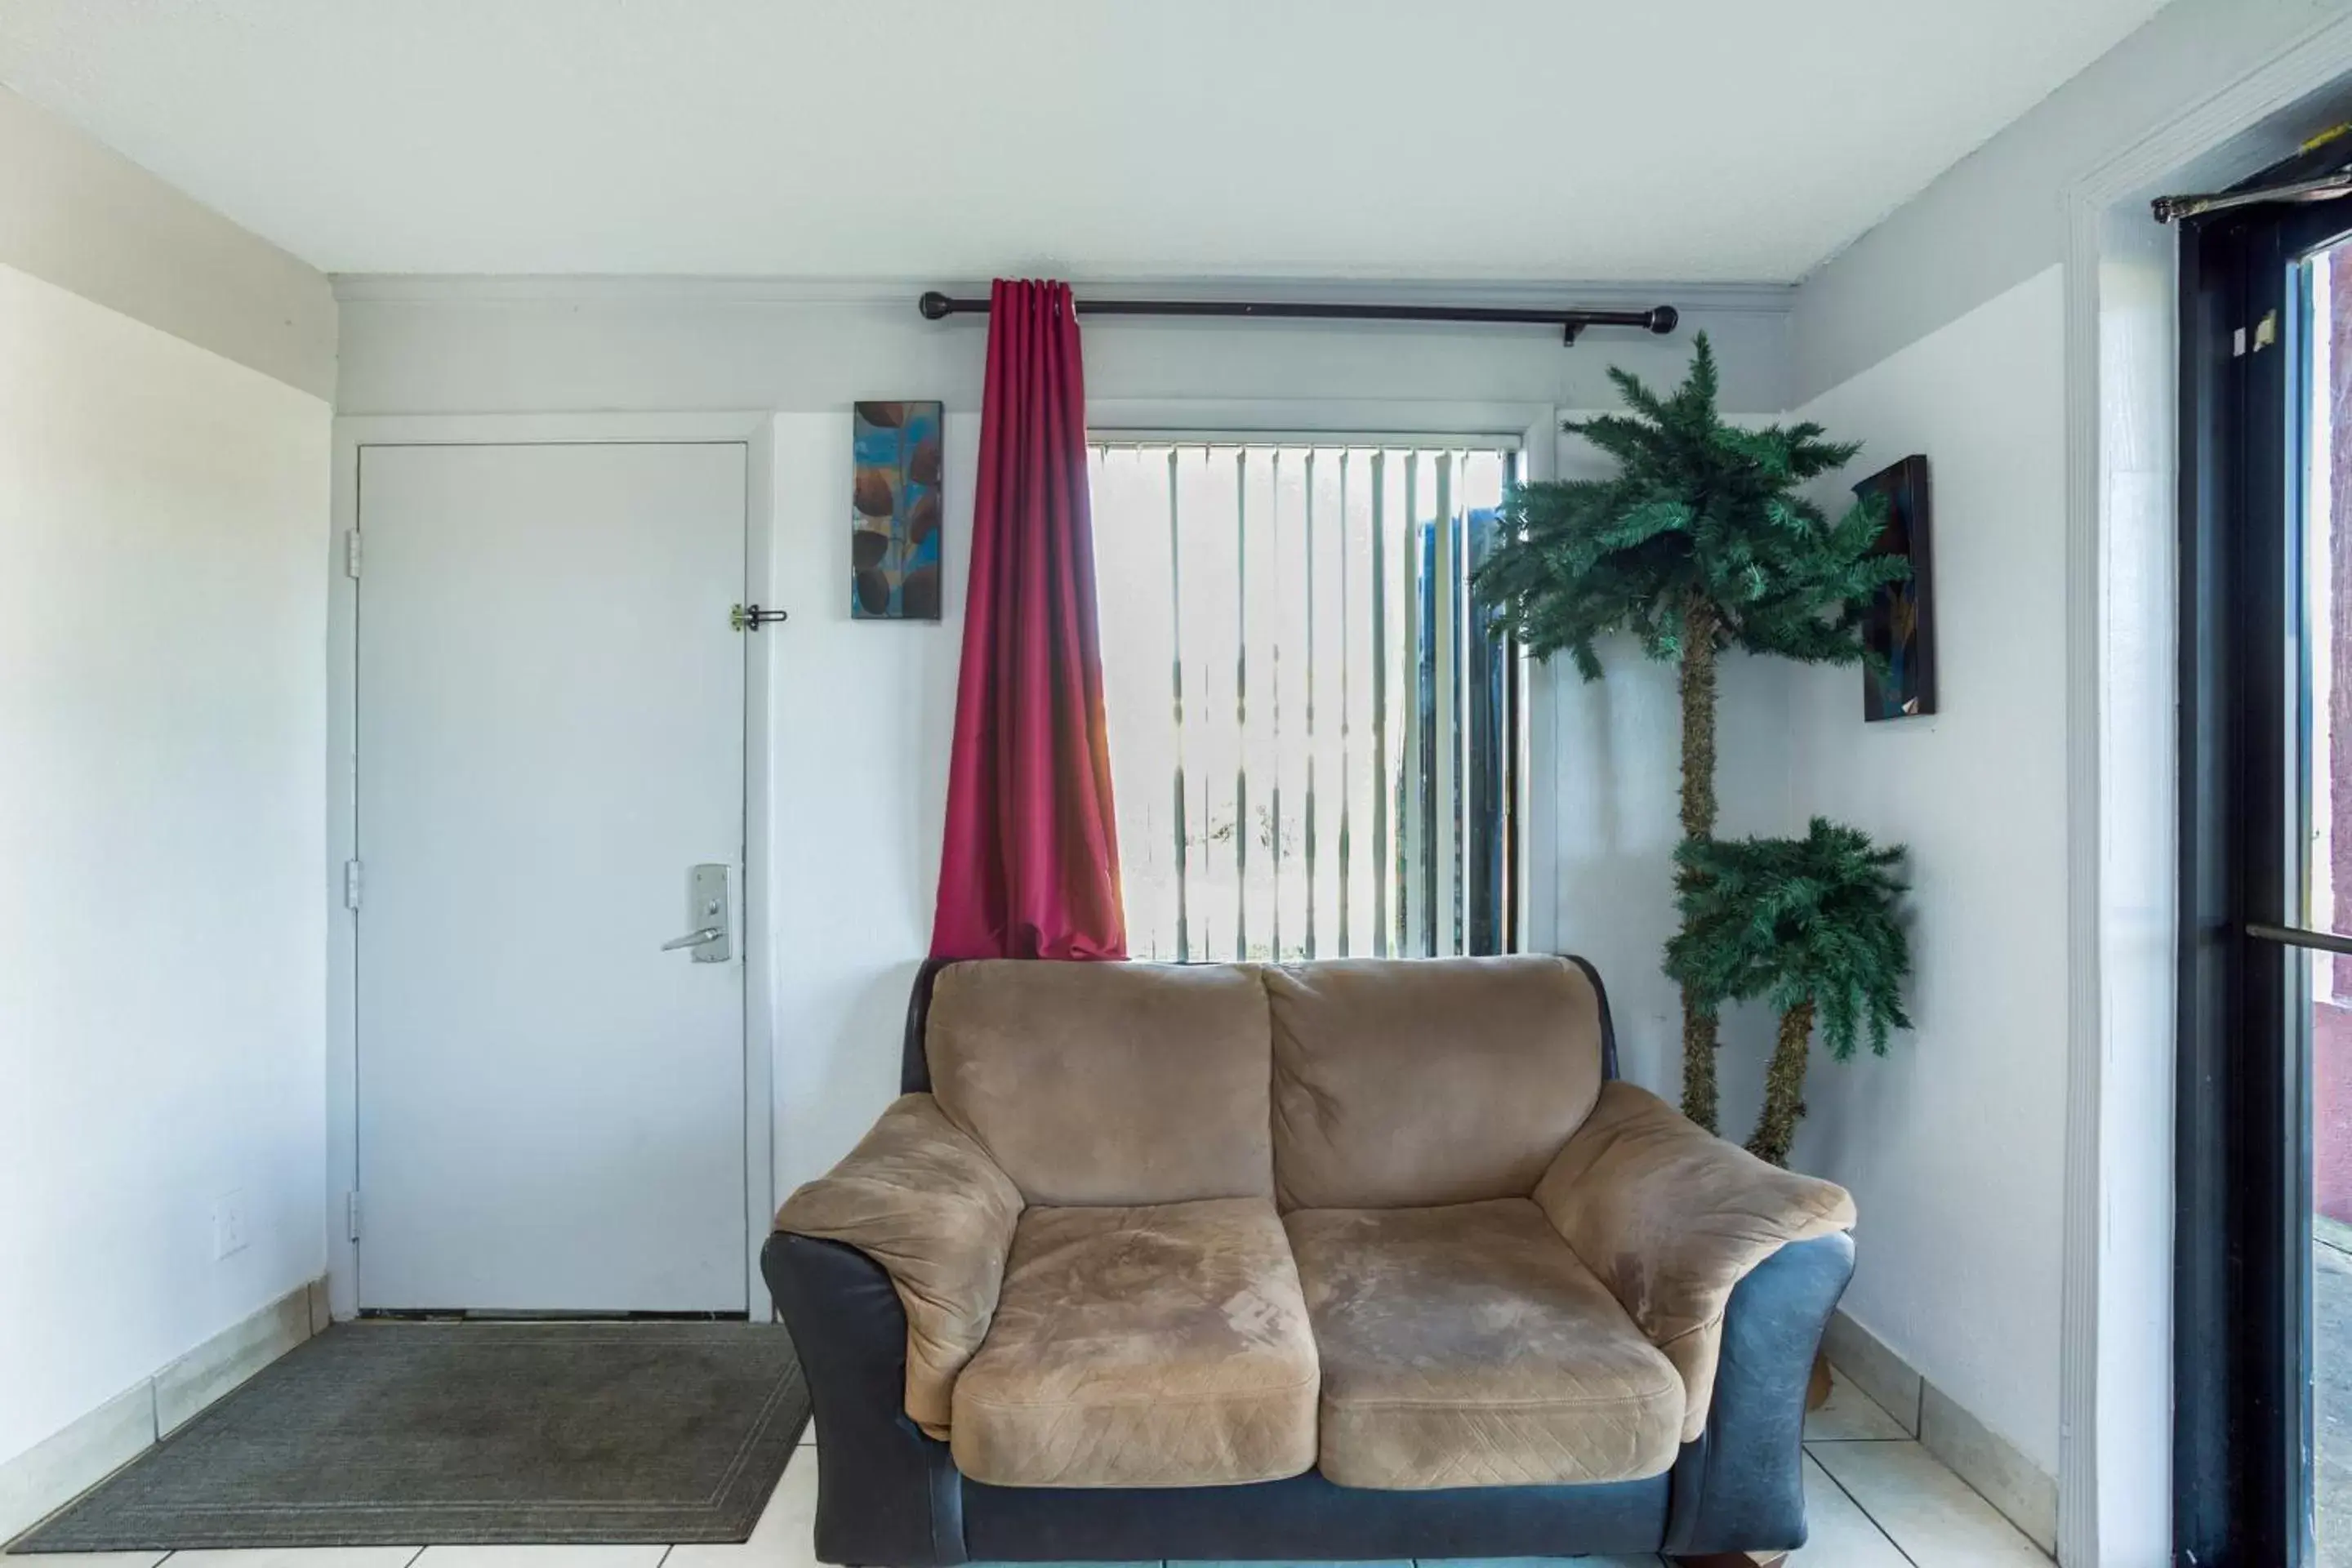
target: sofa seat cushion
1161 1346
1467 1346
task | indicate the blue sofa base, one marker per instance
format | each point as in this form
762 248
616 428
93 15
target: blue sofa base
1309 1519
889 1497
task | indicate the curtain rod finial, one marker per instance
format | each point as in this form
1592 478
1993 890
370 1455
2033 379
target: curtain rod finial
934 306
1665 320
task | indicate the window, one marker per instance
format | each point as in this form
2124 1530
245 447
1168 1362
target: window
1315 747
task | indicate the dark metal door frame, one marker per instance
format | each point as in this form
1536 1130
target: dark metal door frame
2242 1432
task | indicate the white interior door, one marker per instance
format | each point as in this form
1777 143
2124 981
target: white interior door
550 740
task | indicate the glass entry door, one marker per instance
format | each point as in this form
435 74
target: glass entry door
2324 669
2263 1367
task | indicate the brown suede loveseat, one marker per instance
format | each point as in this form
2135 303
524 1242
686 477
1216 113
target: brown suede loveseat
1359 1258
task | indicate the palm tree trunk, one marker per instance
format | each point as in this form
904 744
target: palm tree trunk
1699 627
1784 1087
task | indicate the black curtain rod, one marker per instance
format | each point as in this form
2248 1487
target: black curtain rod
938 307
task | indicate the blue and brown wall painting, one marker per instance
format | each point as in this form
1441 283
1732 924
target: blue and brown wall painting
894 532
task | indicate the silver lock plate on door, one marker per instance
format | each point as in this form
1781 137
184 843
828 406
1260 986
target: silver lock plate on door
712 912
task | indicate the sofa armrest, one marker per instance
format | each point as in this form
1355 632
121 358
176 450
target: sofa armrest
920 1196
885 1492
1741 1486
1672 1218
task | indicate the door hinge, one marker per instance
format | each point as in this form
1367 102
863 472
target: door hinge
351 552
351 884
352 1214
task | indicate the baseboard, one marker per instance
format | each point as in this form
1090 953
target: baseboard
1991 1463
68 1462
2004 1477
184 1387
1889 1380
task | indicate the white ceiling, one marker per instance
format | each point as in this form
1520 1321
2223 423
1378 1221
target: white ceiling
1523 139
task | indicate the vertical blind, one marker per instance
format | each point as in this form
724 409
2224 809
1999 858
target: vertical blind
1315 743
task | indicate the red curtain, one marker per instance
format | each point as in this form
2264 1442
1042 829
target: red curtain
1030 865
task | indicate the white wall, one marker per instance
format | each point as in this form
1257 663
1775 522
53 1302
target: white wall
1954 1145
162 546
1615 776
861 711
86 218
1998 215
1968 254
426 345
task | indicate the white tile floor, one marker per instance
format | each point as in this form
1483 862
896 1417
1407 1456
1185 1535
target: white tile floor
1874 1499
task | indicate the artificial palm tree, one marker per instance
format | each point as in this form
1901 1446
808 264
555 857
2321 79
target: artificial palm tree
1811 925
1700 541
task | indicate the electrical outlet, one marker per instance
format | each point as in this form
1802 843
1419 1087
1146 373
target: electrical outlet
229 1224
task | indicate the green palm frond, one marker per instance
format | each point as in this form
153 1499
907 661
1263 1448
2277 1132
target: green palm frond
1698 510
1792 921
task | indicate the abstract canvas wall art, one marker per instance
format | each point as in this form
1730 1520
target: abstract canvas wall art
1899 681
895 546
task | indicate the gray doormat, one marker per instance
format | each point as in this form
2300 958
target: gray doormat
426 1434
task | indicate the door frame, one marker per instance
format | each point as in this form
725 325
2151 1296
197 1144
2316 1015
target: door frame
755 431
2116 1389
2248 1415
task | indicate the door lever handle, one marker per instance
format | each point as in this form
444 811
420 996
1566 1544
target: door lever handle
707 900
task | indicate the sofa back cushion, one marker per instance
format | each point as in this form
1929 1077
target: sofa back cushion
1108 1083
1404 1082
